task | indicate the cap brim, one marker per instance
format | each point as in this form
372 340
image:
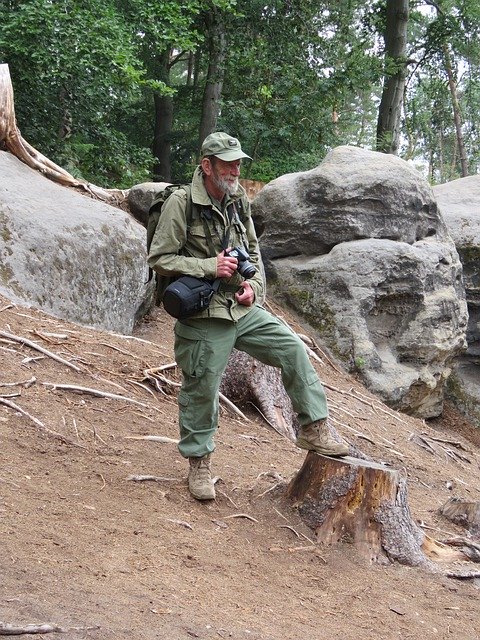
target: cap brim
229 156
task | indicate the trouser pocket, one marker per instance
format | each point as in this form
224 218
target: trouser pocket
190 349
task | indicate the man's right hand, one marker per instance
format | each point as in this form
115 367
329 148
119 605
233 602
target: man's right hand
226 266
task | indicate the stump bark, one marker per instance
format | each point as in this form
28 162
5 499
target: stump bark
361 502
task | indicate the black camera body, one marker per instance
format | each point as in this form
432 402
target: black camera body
245 268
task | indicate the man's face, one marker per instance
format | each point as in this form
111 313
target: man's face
225 175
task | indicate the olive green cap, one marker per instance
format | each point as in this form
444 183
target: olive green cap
222 146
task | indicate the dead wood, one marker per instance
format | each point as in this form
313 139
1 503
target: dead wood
463 575
247 380
467 546
95 392
463 512
12 140
147 478
162 439
38 423
441 552
18 630
37 347
361 502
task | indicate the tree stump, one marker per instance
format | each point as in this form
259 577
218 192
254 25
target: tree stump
463 512
358 501
247 380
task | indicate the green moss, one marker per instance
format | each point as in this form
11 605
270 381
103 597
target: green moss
462 400
469 253
6 234
6 274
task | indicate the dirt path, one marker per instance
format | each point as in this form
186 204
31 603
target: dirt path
83 546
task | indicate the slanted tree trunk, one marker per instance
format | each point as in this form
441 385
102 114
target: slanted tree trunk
215 74
358 501
452 85
390 111
12 140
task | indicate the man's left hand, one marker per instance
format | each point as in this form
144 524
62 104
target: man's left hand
245 295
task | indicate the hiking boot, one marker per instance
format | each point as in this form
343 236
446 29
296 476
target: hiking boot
316 437
200 481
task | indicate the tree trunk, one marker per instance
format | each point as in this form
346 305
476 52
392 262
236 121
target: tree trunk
248 381
390 111
214 83
11 140
456 111
358 501
162 171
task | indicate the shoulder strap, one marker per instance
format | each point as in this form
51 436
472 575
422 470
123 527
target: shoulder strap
189 204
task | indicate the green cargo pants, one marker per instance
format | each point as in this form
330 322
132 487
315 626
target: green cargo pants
202 349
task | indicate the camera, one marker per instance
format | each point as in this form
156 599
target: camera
245 268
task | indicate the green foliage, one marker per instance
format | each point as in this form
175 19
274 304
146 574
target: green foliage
300 78
72 65
429 125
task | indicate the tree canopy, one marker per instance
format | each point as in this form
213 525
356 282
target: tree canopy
119 91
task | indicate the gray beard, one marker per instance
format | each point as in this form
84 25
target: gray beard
225 186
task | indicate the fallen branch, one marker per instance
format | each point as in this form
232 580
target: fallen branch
95 392
467 575
240 515
37 347
163 439
25 383
15 630
139 478
182 523
36 421
233 407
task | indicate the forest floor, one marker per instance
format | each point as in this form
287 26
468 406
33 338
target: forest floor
105 557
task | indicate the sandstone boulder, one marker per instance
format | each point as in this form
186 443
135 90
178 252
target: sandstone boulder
359 248
67 254
459 203
140 198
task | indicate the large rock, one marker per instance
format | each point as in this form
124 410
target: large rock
67 254
459 202
140 198
353 194
357 246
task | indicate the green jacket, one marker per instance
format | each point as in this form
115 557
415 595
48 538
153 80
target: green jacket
176 250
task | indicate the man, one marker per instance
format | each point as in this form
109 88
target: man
235 317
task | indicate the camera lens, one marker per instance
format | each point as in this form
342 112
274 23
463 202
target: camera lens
246 269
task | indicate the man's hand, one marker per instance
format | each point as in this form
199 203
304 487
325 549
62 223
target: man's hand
226 266
246 295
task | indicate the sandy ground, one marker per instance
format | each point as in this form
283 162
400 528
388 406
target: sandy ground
85 547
